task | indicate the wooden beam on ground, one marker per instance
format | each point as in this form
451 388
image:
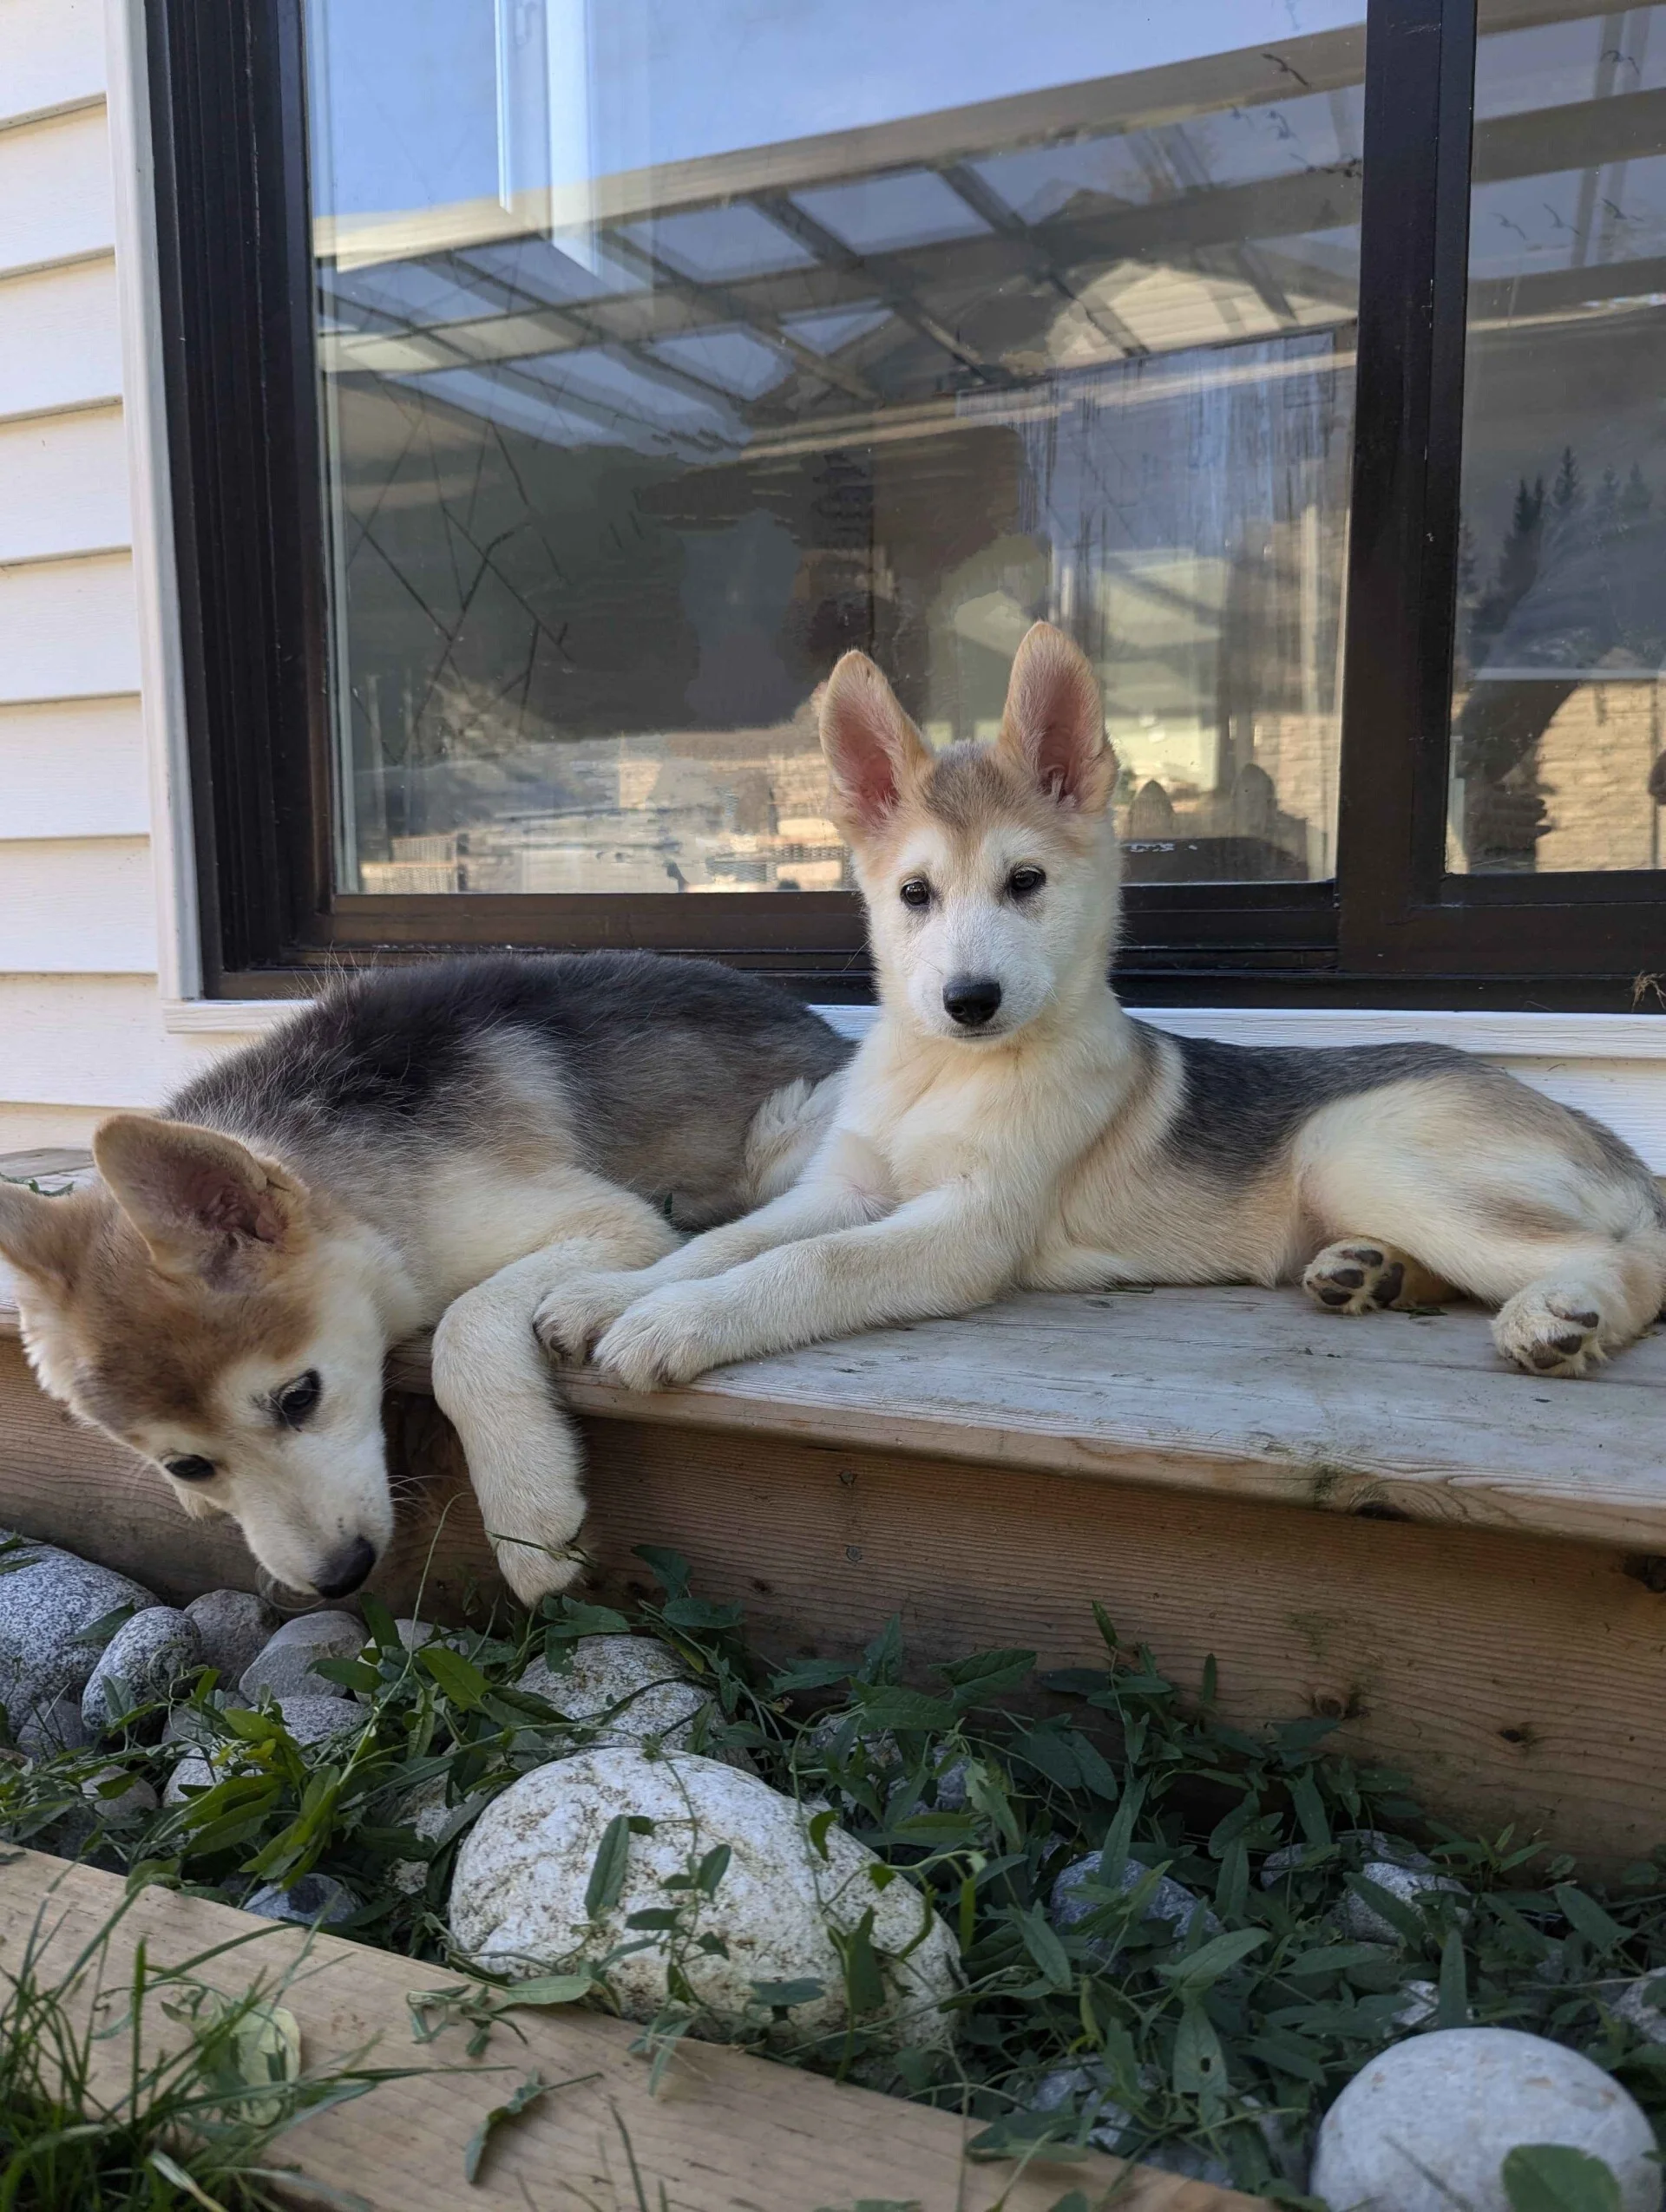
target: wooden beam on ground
726 2133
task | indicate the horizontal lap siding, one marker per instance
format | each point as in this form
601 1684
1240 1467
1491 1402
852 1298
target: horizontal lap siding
80 1026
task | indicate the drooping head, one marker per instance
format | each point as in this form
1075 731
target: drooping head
201 1305
989 872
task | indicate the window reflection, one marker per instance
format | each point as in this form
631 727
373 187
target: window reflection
667 352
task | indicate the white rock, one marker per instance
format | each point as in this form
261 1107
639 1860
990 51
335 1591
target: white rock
1171 1900
1360 1843
52 1728
426 1810
44 1607
1427 2123
1073 2086
284 1664
1362 1921
235 1627
517 1896
1639 2003
135 1798
317 1900
1114 2129
630 1689
1421 2002
312 1720
147 1655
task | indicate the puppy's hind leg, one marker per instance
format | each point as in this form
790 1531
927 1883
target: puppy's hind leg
493 1383
1365 1276
1595 1299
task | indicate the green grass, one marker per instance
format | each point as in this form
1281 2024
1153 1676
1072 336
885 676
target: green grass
182 2112
1202 2038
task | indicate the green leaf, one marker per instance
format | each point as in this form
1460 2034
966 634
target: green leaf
100 1631
818 1827
459 1679
1588 1916
550 1989
530 2091
810 1674
986 1673
1044 1948
606 1882
864 1984
1199 2062
882 1660
1550 2178
1309 1808
1052 1753
656 1917
889 1705
670 1569
1217 1957
581 1619
712 1869
380 1623
1453 2011
787 1993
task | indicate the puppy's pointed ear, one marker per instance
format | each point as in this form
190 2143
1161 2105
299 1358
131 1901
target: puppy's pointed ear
202 1202
1053 728
874 754
43 1238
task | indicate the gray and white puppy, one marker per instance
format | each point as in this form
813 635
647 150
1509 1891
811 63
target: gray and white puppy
443 1143
1007 1123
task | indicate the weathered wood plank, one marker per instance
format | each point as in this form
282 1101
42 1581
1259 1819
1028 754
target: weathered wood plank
727 2133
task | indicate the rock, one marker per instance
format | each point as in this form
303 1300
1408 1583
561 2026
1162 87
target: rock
1114 2129
655 1700
147 1656
1421 2003
312 1720
44 1607
1363 1923
1426 2125
1362 1843
413 1634
426 1810
53 1728
1171 1900
234 1628
315 1901
1073 2086
284 1664
1640 2003
192 1773
518 1895
135 1798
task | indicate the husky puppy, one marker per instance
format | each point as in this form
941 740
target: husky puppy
435 1144
1005 1124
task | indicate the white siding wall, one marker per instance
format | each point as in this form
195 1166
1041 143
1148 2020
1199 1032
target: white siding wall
81 1016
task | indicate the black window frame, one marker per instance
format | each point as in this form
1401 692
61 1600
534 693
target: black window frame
1393 929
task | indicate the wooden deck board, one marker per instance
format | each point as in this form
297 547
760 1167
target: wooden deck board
727 2132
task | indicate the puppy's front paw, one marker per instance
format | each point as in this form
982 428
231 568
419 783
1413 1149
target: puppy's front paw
663 1340
575 1314
534 1570
1550 1333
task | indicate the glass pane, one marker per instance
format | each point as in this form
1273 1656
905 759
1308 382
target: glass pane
1557 760
671 347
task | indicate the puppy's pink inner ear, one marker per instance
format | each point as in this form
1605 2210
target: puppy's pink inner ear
222 1204
1055 720
868 741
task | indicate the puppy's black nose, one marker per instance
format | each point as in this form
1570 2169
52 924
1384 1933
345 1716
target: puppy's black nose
345 1569
971 999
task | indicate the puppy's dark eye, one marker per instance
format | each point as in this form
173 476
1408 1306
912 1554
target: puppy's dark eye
191 1469
1025 882
298 1401
916 891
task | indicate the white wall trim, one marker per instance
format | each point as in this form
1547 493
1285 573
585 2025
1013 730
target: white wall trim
1498 1036
162 666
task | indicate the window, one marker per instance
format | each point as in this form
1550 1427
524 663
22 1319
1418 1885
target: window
560 385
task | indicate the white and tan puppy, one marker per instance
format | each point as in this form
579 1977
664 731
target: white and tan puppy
1005 1124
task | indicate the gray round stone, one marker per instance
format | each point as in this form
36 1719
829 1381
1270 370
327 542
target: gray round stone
1428 2123
1073 1899
1360 1918
315 1901
147 1656
316 1721
1641 2005
235 1627
133 1799
426 1810
192 1773
284 1664
45 1607
53 1728
1357 1844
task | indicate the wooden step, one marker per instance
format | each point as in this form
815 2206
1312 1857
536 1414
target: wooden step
1374 1521
726 2132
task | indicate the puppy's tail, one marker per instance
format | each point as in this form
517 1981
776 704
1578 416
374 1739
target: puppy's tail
785 1132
